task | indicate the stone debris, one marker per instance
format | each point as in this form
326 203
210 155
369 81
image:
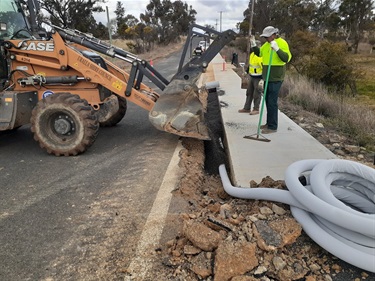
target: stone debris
201 236
225 238
234 258
201 265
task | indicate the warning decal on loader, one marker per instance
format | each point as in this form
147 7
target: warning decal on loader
117 85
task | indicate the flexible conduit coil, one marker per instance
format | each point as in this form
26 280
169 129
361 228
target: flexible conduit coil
336 208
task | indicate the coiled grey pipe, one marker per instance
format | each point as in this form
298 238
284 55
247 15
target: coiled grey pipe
345 227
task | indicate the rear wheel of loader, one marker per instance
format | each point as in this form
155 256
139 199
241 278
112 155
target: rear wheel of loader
64 124
112 111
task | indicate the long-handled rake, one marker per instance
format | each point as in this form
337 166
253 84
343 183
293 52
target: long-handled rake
258 136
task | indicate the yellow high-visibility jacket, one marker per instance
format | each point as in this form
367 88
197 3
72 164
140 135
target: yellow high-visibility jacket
279 59
255 65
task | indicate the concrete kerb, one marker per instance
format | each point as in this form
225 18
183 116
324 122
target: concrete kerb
252 159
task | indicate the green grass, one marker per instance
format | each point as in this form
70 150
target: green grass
365 64
366 88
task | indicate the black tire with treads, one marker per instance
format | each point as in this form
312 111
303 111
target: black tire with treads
64 124
112 112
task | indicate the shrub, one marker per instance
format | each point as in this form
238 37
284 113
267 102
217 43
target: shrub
301 48
330 64
325 62
355 121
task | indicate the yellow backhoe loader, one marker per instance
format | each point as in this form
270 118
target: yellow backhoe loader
58 82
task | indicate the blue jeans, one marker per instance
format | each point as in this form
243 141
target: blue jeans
272 96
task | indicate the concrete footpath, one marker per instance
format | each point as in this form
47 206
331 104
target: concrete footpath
254 159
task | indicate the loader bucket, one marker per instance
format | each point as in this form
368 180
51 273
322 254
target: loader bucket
179 111
180 108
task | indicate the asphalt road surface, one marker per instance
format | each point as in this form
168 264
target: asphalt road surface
63 217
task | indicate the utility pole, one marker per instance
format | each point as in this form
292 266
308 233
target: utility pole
250 29
109 26
221 20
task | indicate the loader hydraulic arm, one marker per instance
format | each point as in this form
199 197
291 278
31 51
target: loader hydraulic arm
139 69
178 110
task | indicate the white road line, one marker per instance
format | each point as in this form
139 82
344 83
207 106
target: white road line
153 228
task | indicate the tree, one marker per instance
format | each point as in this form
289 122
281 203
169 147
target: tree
144 37
120 19
182 16
326 18
262 16
169 19
287 15
131 20
292 15
75 14
356 18
101 31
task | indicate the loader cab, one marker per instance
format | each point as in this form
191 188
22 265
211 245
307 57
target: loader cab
13 20
13 25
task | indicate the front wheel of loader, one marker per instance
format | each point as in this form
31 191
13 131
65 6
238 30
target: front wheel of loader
64 124
112 111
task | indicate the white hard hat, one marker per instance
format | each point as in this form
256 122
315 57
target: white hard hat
268 31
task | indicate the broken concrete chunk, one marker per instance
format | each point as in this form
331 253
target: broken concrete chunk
276 234
267 238
278 210
191 250
234 259
201 236
288 228
201 266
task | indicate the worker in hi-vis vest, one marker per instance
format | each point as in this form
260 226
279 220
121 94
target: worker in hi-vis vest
279 49
253 91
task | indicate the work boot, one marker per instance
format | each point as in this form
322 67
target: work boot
254 112
265 126
243 110
268 131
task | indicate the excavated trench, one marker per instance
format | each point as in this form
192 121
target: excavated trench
214 149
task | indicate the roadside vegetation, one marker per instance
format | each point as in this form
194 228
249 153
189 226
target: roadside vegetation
351 118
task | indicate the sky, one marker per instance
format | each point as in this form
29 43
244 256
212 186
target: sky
208 11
